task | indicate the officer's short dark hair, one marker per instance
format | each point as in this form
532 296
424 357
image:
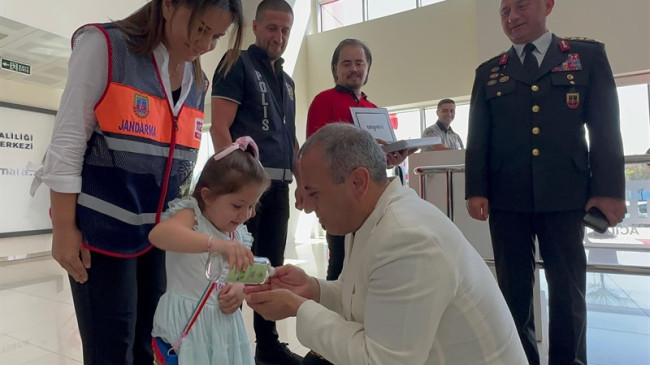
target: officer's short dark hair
272 5
446 101
350 42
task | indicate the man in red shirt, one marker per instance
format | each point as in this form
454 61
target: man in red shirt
351 63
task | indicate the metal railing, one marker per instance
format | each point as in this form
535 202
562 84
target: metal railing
424 171
448 170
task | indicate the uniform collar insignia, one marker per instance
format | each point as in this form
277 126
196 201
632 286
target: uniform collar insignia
564 45
504 59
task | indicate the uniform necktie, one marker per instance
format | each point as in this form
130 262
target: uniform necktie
530 61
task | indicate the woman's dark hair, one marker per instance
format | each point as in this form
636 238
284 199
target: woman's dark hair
229 175
146 28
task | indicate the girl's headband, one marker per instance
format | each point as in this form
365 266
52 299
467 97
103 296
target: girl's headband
242 143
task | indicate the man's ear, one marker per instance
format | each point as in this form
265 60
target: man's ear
359 179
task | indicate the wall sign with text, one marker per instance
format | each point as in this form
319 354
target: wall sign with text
25 133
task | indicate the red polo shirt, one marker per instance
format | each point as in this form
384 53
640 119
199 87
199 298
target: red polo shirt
333 105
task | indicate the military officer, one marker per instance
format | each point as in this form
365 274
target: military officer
528 167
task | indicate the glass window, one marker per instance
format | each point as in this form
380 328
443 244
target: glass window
635 118
459 124
406 124
617 317
617 304
379 8
340 13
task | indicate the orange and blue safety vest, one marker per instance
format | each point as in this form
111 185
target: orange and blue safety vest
140 156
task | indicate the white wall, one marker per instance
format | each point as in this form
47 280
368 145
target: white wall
30 95
62 17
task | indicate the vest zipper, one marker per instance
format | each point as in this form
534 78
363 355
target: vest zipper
168 167
172 144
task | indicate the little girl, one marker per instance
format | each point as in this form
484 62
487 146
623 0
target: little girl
210 221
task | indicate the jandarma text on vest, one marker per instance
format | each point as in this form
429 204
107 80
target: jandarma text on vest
139 128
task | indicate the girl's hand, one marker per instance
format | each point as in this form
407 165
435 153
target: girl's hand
238 255
231 298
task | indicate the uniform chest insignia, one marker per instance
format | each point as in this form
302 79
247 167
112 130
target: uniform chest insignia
494 69
564 45
504 78
491 82
503 60
572 63
140 105
494 76
573 100
289 91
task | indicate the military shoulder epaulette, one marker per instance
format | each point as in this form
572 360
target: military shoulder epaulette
492 59
582 39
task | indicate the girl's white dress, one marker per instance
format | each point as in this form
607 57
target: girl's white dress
216 338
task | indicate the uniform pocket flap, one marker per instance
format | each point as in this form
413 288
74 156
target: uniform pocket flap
568 78
499 89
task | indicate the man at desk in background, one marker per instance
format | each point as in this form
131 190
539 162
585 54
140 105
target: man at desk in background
446 112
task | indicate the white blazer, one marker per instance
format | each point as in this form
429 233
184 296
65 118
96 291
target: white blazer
412 291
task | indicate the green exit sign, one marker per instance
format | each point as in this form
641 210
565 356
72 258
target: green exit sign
10 65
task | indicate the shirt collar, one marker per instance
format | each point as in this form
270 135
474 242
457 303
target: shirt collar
443 127
161 55
345 90
362 234
541 44
262 55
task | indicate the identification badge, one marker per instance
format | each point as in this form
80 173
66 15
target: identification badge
573 100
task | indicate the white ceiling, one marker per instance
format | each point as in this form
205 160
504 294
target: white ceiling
46 53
